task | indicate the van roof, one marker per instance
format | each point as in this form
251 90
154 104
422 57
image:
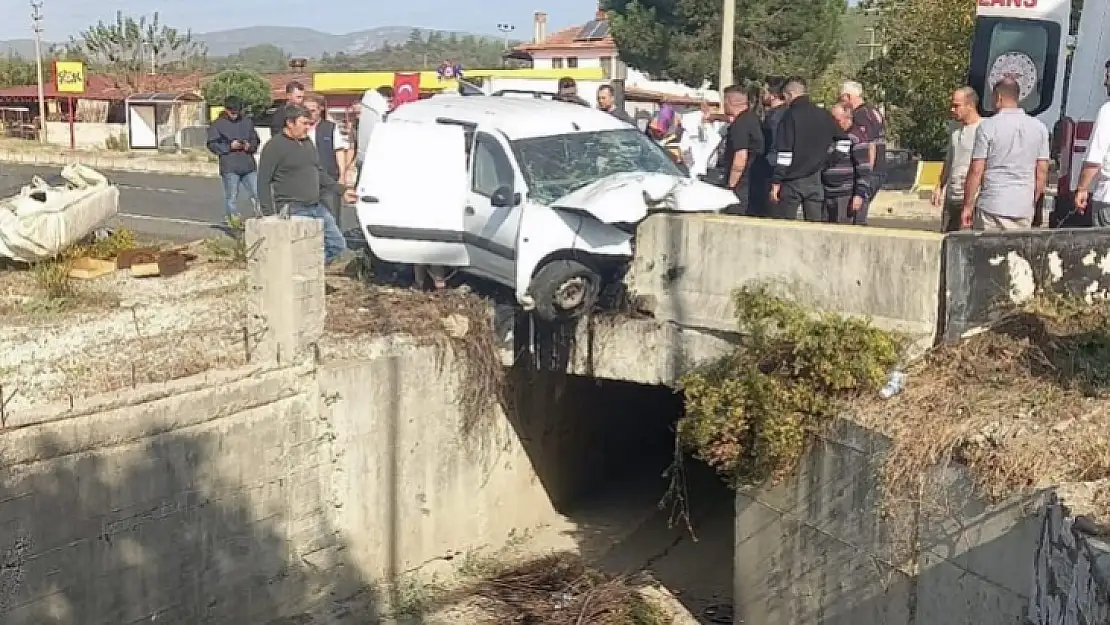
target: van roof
518 118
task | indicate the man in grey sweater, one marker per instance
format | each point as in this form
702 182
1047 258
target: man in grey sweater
290 179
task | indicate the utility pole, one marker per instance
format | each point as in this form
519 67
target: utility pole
506 30
36 25
728 34
872 44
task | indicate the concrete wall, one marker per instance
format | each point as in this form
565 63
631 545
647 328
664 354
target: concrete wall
691 264
87 134
816 549
270 491
1071 574
986 273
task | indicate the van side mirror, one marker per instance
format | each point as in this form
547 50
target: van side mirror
503 197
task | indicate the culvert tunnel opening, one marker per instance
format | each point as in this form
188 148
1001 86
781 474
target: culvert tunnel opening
605 451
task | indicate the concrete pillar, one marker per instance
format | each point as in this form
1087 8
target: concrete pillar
286 307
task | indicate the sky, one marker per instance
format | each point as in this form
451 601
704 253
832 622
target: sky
64 18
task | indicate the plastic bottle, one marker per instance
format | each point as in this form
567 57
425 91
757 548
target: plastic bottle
894 385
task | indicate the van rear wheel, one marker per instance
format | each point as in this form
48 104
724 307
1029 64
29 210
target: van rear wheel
565 290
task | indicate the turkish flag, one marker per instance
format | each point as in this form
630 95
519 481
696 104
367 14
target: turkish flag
406 88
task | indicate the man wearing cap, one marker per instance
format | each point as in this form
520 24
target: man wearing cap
234 140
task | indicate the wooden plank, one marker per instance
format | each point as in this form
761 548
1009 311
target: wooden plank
91 268
137 256
144 270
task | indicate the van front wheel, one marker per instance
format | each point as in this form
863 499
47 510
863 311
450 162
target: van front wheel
565 290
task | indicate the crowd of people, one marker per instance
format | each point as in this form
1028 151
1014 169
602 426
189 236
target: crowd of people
303 169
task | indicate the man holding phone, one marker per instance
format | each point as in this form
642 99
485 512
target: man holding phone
232 137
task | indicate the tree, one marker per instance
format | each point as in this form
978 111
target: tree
16 71
250 86
128 48
680 39
421 51
928 47
265 57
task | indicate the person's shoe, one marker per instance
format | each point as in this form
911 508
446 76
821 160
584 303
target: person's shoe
338 265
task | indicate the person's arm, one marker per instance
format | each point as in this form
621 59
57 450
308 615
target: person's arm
267 167
1043 158
941 189
740 143
217 142
1097 151
253 141
342 153
975 173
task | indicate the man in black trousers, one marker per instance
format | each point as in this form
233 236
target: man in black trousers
804 137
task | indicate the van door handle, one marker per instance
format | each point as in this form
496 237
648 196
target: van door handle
469 210
369 199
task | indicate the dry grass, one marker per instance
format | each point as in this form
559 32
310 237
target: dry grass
456 320
561 590
1024 406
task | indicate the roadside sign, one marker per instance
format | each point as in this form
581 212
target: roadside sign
69 76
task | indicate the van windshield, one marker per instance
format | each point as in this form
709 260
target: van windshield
556 165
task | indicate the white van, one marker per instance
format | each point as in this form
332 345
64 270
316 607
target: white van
541 196
1058 52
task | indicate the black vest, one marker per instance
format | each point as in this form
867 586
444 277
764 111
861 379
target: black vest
325 145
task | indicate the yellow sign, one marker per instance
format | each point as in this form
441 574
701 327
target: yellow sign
69 76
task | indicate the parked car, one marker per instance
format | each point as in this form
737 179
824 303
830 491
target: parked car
541 196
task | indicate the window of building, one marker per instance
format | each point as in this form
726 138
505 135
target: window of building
572 61
556 63
606 66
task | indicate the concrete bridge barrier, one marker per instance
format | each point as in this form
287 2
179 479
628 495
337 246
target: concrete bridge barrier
690 265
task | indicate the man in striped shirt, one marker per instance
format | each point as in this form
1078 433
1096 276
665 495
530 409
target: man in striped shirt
847 176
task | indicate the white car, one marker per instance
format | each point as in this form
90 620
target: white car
540 196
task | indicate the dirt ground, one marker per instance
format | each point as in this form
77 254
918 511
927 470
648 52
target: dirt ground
117 331
1025 405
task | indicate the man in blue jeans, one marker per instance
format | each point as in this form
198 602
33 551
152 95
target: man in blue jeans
290 180
233 138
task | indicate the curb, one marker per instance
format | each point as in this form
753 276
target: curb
897 205
97 161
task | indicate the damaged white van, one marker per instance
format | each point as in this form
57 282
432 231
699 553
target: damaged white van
540 196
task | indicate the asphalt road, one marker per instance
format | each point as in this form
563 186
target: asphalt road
185 208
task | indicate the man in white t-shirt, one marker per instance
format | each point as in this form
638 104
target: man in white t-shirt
950 194
1093 191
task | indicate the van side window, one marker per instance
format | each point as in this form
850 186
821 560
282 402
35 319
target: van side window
491 168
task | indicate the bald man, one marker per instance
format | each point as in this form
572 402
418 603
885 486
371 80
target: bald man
1009 166
743 146
949 195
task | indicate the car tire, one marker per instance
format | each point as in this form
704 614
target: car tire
565 290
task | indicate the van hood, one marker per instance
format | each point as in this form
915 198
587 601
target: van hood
631 196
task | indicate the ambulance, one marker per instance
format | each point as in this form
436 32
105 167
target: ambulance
1059 56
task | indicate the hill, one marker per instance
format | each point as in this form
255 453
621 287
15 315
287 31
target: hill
304 42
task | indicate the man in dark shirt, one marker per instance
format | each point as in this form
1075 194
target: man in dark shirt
294 96
568 92
233 138
290 179
606 102
743 146
774 105
869 125
847 176
804 138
